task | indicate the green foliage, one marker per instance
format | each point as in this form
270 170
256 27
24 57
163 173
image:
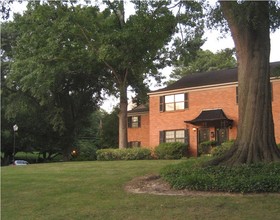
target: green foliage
86 152
124 154
206 61
219 151
205 147
278 145
64 191
110 129
276 71
174 150
54 82
244 179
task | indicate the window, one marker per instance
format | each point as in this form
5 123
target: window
134 122
174 102
134 144
174 136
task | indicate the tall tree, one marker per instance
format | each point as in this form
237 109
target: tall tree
132 48
51 64
249 23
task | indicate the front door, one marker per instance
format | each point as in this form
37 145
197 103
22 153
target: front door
221 135
203 135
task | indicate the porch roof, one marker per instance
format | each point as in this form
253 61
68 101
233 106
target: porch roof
211 115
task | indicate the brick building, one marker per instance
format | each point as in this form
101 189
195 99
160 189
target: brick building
196 108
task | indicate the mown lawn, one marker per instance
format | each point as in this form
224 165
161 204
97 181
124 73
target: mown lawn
95 190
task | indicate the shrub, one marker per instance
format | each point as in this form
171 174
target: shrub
86 154
222 149
278 145
205 147
174 150
245 179
124 154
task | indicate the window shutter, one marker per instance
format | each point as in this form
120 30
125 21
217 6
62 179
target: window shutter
139 121
186 100
161 137
187 136
236 93
161 104
129 122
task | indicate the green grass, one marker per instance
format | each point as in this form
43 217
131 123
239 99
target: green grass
95 190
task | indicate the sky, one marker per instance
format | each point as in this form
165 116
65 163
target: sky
214 43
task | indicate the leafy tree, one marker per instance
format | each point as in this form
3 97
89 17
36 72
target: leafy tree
133 49
206 61
110 130
130 49
249 23
54 67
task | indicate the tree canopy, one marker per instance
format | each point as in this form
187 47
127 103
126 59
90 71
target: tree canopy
58 58
50 64
206 61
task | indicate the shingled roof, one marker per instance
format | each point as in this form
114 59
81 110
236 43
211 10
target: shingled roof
207 78
139 109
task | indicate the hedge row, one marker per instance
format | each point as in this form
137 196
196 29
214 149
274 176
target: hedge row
162 151
124 154
245 179
174 150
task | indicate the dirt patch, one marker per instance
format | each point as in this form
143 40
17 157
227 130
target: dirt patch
154 184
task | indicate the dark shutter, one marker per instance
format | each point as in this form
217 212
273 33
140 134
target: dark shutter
129 144
236 93
161 104
187 136
186 100
161 137
139 121
129 122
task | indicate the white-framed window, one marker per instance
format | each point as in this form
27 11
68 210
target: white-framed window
174 136
134 122
174 102
134 144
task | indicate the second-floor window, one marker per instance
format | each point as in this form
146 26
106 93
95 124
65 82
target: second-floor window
174 102
134 122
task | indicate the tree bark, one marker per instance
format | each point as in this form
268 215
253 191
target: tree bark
123 117
255 137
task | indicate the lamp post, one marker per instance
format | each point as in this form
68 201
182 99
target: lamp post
15 128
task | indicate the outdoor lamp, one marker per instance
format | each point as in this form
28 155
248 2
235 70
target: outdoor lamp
15 127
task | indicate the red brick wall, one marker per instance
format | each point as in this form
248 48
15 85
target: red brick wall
223 97
142 133
211 98
276 108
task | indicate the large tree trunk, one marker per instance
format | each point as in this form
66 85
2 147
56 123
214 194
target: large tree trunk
250 31
123 118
